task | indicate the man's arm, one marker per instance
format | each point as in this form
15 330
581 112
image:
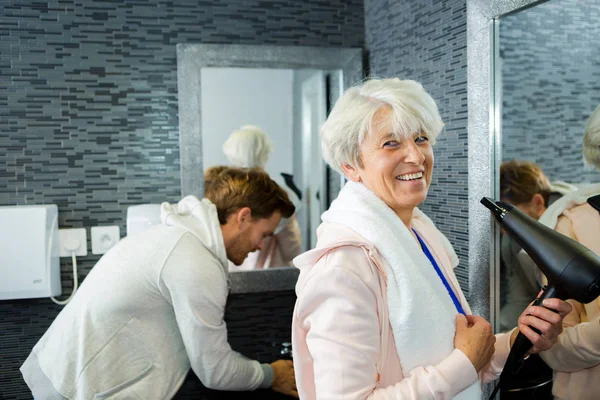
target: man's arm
194 283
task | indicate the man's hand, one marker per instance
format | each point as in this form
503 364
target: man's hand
284 380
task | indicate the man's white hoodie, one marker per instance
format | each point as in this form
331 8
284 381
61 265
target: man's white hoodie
150 308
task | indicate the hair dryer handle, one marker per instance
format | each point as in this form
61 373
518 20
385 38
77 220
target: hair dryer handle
522 344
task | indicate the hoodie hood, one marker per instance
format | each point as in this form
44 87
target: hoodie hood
198 217
330 236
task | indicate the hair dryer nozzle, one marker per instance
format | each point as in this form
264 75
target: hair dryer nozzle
499 209
573 268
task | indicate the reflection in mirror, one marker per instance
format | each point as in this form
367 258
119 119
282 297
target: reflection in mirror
286 92
254 109
550 73
547 73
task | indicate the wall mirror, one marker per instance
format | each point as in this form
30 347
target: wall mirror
287 92
289 105
533 81
547 89
533 69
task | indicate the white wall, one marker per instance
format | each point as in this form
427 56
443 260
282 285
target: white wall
232 97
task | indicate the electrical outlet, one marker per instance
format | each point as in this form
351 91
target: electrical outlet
73 240
104 237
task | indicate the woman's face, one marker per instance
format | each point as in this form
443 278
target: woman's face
398 172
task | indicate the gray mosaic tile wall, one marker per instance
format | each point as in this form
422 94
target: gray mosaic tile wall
551 84
88 116
425 40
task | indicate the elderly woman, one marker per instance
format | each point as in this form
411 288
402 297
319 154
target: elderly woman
576 357
380 314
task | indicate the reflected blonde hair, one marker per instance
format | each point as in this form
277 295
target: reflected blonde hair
591 139
248 147
413 110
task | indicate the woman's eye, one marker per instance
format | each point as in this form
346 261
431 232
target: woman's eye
391 143
421 139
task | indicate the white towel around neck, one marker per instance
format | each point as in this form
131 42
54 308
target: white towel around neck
422 314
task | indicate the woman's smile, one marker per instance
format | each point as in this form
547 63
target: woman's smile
415 176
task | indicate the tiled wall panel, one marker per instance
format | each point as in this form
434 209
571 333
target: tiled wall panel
551 84
425 40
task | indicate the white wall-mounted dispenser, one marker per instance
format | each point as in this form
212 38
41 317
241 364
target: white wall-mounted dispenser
29 252
142 217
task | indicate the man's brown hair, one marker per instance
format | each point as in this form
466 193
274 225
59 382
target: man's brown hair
232 188
521 180
211 174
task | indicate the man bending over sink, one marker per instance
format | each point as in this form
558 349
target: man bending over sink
153 306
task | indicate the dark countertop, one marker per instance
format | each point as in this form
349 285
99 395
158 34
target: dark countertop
261 394
192 389
264 280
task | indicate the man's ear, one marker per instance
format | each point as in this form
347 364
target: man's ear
351 173
538 202
243 216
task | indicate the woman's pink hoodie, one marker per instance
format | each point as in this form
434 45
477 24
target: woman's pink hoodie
343 344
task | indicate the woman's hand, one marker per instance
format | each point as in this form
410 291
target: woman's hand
546 320
475 338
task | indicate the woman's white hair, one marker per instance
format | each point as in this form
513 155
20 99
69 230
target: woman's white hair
248 147
591 139
413 111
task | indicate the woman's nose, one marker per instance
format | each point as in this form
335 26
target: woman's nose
413 153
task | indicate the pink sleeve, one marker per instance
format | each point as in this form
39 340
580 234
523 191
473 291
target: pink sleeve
502 348
289 239
578 345
338 310
578 348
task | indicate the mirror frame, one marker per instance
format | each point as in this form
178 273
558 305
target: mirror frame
484 152
191 58
484 138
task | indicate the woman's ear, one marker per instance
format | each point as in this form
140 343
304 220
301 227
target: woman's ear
351 173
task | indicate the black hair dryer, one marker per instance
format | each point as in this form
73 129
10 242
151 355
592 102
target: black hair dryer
572 270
